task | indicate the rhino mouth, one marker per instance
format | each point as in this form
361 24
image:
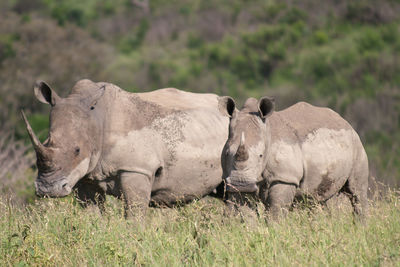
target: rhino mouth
58 188
57 184
240 187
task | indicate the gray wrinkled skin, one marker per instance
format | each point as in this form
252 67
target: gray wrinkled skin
160 147
302 151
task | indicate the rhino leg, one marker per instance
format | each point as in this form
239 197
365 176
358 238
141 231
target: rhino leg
358 197
280 198
90 196
136 190
356 186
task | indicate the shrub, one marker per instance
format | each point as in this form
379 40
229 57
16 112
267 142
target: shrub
6 46
363 12
370 40
293 15
320 37
194 41
79 12
390 33
218 55
274 9
277 51
134 40
263 36
320 65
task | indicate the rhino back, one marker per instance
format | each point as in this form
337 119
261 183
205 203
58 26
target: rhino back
295 123
134 111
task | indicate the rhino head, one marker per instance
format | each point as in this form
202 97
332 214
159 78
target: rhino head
72 148
244 155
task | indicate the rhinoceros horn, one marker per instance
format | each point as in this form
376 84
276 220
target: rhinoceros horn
37 145
241 153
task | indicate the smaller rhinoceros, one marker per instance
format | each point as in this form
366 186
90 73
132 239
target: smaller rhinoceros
297 152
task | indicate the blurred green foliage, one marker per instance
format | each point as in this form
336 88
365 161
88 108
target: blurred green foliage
133 41
6 46
340 54
40 124
79 12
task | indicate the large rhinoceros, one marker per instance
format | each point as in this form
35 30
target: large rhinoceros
163 146
301 151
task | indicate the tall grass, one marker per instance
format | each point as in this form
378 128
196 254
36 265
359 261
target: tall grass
57 232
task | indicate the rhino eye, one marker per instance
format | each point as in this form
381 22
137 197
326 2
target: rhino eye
260 155
77 151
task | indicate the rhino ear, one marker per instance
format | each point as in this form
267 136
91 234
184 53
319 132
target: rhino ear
266 106
45 94
226 105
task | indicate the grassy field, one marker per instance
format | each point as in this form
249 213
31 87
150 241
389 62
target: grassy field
57 232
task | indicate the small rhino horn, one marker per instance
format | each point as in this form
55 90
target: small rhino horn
241 153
